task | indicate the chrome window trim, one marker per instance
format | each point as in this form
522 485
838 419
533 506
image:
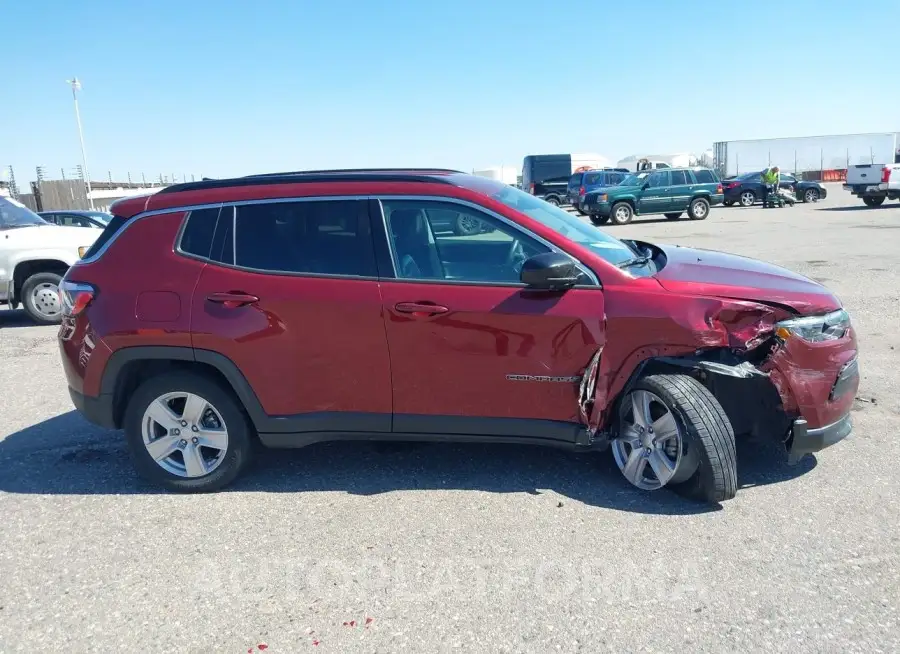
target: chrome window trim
493 214
187 208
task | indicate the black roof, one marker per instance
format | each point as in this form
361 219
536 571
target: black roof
433 175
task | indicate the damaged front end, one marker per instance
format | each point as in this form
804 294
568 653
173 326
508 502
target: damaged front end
775 375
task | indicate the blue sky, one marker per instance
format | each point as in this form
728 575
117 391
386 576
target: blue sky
219 89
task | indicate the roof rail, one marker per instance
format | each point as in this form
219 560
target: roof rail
433 176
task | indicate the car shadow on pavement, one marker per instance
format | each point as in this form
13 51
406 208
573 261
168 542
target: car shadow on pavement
66 455
15 318
858 207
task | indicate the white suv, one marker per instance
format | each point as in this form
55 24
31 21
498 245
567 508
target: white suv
34 256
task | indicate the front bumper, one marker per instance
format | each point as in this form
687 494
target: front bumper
805 441
98 410
823 192
596 208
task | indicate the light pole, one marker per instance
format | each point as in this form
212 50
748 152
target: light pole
76 86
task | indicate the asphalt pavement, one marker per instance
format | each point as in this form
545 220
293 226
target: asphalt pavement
478 548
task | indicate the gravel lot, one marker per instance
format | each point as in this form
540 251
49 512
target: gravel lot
346 548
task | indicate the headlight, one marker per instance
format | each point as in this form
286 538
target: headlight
82 250
815 329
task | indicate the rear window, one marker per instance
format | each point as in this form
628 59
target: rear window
705 176
112 228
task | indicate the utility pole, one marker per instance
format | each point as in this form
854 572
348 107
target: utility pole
76 86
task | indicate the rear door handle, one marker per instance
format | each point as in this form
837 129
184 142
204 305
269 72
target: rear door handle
420 307
232 299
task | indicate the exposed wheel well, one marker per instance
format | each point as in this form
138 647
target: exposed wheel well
26 269
133 373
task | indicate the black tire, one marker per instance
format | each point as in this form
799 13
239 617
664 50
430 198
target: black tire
728 203
461 228
748 198
240 433
698 209
706 428
33 307
621 213
810 195
552 199
597 219
673 216
873 200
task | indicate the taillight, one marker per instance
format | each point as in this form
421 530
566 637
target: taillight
885 175
75 296
719 190
531 188
581 191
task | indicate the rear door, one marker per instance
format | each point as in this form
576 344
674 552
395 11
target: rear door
656 198
473 352
291 296
681 190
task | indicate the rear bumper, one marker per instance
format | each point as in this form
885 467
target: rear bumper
806 441
98 410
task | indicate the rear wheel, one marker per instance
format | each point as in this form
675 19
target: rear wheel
621 213
466 225
552 200
672 432
698 209
40 297
747 198
597 219
873 200
187 433
673 216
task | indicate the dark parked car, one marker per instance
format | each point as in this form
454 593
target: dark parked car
585 182
297 308
669 191
95 219
747 189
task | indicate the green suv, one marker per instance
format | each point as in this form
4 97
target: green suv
669 191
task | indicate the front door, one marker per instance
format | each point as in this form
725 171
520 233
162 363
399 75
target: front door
656 198
291 296
473 352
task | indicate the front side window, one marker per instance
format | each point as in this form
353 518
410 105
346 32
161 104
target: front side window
658 179
14 214
320 237
452 242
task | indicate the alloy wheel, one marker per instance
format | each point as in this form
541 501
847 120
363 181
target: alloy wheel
185 434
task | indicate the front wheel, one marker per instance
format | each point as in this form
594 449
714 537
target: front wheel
873 200
673 216
811 195
671 431
622 213
187 433
466 226
698 209
40 297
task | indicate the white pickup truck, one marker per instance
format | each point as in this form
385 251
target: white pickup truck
874 182
34 255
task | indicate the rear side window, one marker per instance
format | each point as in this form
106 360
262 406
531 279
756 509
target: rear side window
705 176
575 180
593 178
197 237
616 178
114 227
326 237
680 177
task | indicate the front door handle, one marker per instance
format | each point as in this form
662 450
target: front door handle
420 308
232 299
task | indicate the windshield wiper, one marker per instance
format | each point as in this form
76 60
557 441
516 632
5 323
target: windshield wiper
634 261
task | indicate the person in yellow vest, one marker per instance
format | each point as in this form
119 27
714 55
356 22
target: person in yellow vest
771 179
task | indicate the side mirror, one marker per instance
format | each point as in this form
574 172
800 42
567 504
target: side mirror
550 271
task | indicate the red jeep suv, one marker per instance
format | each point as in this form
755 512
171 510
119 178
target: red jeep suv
295 308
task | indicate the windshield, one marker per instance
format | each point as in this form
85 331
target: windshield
15 214
634 180
561 221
